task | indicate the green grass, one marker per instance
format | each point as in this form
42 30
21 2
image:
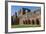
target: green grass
23 26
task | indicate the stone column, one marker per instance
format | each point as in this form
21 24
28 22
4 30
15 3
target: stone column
21 21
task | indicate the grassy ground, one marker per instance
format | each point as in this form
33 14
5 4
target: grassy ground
23 26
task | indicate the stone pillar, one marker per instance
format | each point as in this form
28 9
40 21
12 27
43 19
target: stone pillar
21 21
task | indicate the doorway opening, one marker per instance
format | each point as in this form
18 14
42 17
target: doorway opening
33 22
37 21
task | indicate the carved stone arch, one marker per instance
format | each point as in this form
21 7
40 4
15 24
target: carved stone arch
33 22
37 21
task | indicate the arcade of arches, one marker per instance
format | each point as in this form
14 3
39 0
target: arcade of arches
31 21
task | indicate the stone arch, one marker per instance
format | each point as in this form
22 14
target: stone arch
29 21
23 22
33 22
37 21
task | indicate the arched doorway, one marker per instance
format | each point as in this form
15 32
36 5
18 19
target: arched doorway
37 21
29 22
33 22
23 22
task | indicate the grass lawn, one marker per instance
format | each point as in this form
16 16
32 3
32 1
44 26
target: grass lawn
23 26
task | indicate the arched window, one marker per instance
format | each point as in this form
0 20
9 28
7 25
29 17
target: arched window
33 22
37 21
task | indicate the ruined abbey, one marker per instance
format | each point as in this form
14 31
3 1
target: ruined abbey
26 16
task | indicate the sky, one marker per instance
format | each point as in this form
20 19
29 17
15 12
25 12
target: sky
17 8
